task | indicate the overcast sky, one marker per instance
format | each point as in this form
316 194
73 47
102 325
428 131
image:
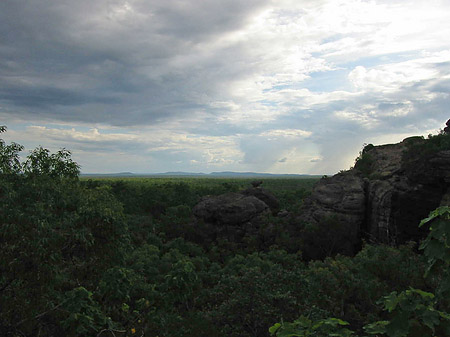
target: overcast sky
281 86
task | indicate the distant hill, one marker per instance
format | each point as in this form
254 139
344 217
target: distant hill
258 175
225 174
120 174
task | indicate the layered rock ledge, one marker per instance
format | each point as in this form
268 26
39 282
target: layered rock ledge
384 201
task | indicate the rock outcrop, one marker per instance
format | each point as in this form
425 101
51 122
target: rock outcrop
382 199
265 196
386 201
230 209
341 197
234 215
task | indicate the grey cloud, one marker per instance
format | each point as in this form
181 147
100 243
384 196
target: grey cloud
263 151
260 152
42 97
204 18
69 57
443 86
68 140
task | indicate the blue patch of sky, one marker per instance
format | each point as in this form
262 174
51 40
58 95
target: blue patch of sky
374 61
16 126
327 81
279 87
268 103
322 81
332 38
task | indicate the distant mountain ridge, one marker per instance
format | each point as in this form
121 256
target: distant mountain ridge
224 174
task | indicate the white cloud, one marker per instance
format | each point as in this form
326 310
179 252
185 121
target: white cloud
285 133
388 78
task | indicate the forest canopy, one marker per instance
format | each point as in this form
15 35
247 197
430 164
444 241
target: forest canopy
120 258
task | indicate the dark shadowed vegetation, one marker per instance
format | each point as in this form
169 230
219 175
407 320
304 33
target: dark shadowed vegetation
125 257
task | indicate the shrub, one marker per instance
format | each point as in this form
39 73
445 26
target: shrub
364 162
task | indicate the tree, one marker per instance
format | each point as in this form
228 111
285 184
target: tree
57 238
412 312
9 156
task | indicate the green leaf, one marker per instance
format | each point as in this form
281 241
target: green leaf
422 293
125 307
430 318
438 212
435 250
289 330
376 328
303 321
398 326
274 328
336 321
444 315
391 301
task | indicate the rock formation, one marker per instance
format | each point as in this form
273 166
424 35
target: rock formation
234 215
383 198
341 197
264 196
447 127
230 209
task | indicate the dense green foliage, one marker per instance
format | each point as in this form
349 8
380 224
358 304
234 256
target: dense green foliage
412 312
124 258
364 161
419 148
156 195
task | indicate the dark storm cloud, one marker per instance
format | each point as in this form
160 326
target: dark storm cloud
42 97
142 61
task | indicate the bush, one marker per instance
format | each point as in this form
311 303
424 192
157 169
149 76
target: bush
412 312
364 162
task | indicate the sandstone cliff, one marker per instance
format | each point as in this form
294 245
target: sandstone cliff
384 197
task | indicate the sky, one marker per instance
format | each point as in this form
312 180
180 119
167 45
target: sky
279 86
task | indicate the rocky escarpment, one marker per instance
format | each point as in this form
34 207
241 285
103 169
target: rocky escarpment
383 198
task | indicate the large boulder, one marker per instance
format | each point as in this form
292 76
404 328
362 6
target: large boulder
236 216
341 195
265 196
230 209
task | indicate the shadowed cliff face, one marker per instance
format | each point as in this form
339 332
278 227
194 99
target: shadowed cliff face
385 196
